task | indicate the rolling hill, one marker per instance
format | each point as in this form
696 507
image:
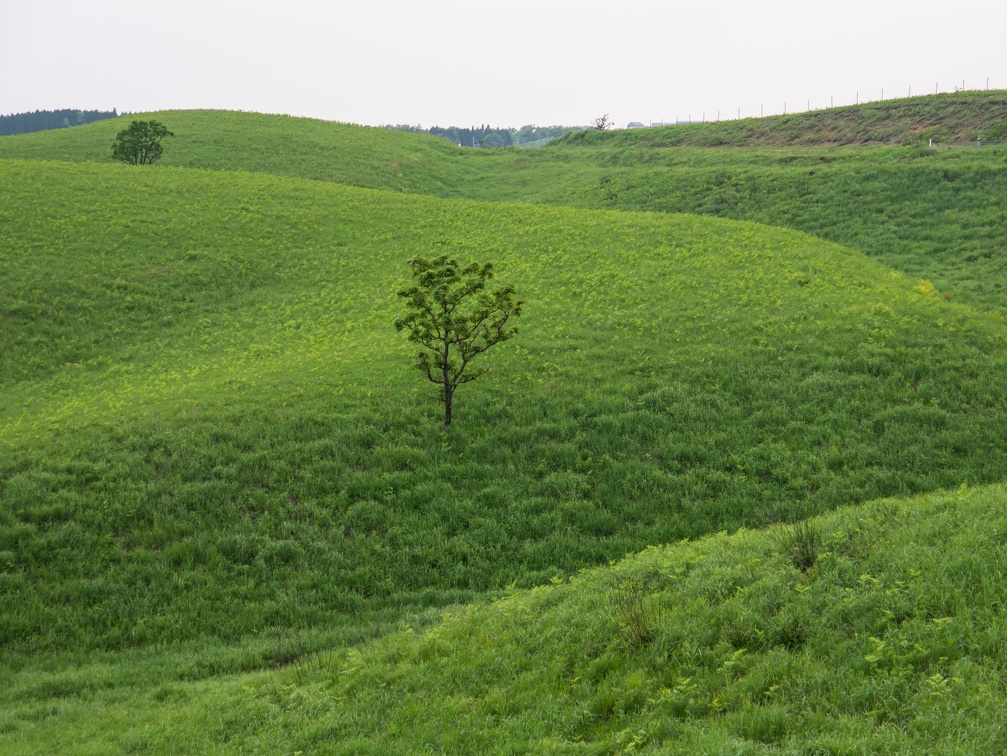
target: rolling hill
929 213
216 456
277 145
959 117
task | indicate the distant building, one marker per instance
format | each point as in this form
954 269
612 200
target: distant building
634 125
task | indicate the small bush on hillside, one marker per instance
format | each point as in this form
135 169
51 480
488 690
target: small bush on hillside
800 542
634 613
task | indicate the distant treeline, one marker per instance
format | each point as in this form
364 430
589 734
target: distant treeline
487 136
43 120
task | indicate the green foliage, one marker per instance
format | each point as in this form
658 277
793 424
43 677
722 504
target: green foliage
800 542
527 136
43 120
455 319
140 144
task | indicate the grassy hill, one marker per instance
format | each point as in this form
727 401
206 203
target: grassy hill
210 426
215 456
888 637
932 214
962 116
929 213
278 145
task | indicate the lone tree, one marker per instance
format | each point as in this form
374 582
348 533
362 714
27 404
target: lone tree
603 123
140 144
452 315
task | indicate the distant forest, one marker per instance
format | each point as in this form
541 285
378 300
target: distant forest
487 136
44 120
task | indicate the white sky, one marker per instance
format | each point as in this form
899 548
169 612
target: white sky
447 62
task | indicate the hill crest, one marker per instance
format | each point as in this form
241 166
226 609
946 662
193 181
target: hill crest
958 117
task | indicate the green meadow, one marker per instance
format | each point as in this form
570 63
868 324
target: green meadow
231 521
933 214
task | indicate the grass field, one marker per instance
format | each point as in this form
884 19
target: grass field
933 214
277 145
959 117
216 458
891 640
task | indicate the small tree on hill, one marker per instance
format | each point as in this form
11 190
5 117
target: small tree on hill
140 144
450 313
603 123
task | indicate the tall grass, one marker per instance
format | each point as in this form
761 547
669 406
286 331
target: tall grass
891 641
218 431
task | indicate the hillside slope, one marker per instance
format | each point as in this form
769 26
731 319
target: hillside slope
890 640
209 427
932 214
279 145
887 636
215 456
958 117
937 216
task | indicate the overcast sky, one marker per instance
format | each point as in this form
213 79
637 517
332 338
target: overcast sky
447 62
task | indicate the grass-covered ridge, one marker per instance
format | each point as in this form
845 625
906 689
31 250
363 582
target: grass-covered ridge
932 214
958 117
279 145
890 640
220 437
216 457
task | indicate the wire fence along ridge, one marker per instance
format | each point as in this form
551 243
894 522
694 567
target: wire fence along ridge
977 144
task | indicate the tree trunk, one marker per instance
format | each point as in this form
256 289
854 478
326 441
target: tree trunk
448 388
